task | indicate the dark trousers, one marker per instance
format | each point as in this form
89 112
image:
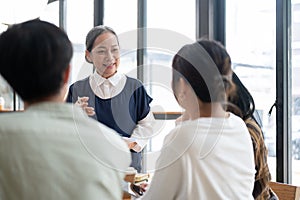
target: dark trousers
136 160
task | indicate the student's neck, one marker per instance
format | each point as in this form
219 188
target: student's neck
208 110
53 98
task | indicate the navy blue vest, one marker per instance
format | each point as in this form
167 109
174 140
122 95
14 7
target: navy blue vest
121 112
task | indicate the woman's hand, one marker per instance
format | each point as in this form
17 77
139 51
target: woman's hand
129 142
83 103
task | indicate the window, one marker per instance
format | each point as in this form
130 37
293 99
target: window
51 13
167 32
251 40
79 20
295 88
7 95
122 17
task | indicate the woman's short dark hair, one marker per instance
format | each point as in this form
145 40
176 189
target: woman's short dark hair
206 66
33 58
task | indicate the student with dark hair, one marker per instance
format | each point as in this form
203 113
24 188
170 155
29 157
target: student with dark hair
242 104
52 150
112 98
210 154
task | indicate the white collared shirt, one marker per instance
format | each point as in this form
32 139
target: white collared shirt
111 87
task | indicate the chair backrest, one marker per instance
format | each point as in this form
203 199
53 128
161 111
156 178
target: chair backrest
286 191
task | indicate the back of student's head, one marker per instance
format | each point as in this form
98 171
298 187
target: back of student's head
206 66
33 58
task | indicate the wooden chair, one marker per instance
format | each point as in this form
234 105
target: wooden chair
286 191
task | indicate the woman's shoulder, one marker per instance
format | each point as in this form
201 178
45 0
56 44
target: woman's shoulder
134 84
236 119
134 80
81 81
233 116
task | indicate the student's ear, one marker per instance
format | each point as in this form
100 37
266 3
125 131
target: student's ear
67 74
88 56
180 89
182 85
64 89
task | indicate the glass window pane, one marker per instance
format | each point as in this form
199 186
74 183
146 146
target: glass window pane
15 11
295 92
125 25
51 13
6 95
167 32
251 40
120 15
170 15
79 20
5 89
